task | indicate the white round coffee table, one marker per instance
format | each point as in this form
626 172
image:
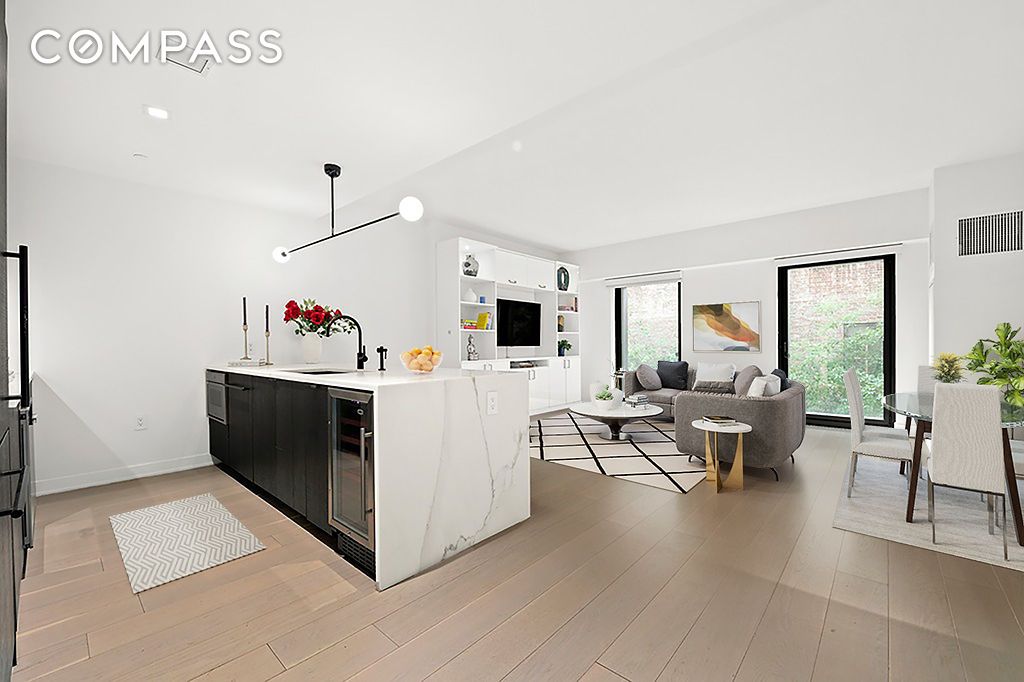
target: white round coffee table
735 479
616 418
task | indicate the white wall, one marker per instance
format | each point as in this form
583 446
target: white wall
974 293
735 262
134 289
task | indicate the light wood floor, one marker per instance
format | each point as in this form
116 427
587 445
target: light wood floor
608 580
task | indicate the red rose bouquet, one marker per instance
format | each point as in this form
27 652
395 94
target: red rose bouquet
312 318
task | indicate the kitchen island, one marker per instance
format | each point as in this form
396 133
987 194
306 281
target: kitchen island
406 470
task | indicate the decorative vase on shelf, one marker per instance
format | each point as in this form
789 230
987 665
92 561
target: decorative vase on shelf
562 279
470 266
470 296
312 348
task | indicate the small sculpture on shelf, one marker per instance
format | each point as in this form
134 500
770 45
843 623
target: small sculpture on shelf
470 266
561 323
562 278
471 352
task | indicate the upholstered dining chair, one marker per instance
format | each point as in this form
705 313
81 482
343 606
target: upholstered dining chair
871 441
966 448
925 385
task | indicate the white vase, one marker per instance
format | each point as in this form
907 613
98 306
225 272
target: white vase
312 348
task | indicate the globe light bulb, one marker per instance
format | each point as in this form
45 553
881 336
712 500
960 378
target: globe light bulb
281 255
411 209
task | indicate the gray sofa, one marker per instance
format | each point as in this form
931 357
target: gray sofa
664 398
779 422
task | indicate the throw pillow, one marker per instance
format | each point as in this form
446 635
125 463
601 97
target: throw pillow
745 377
707 371
674 374
757 387
772 385
721 387
648 378
782 377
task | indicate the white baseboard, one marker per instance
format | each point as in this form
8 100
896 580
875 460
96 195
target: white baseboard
62 484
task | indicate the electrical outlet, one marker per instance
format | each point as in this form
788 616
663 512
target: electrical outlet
492 402
140 423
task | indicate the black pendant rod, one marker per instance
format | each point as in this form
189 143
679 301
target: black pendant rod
351 229
332 205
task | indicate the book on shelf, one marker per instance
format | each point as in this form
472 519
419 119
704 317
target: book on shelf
719 420
469 324
483 321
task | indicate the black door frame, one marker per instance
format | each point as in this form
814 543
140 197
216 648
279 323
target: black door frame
888 332
620 331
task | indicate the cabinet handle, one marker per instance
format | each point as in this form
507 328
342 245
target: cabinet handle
543 286
236 388
513 281
362 464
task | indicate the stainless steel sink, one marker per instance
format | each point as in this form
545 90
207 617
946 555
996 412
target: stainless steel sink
319 371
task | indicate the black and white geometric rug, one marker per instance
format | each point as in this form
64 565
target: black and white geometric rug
170 541
649 457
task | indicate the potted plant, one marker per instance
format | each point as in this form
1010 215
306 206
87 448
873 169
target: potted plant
948 368
608 399
563 346
1000 361
314 322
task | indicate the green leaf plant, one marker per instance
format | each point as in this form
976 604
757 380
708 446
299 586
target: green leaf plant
1000 361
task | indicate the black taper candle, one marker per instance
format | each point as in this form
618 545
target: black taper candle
244 318
267 312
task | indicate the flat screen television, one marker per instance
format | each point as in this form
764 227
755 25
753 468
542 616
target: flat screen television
518 323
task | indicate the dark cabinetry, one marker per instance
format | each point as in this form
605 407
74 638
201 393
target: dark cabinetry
239 397
309 424
276 438
264 442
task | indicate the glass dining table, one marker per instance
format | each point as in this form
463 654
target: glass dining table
920 407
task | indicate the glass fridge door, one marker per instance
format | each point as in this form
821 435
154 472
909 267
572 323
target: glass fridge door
351 465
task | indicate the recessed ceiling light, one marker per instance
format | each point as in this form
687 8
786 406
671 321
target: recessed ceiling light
157 112
517 146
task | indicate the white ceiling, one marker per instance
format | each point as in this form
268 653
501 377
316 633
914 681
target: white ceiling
634 119
383 88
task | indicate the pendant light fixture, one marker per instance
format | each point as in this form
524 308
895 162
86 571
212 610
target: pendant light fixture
409 208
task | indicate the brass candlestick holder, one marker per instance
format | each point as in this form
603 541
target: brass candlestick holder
267 334
245 342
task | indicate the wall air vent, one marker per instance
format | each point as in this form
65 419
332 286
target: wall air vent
996 233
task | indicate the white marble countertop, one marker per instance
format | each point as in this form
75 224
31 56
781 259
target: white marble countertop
367 379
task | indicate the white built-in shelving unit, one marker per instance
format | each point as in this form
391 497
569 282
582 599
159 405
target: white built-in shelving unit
554 379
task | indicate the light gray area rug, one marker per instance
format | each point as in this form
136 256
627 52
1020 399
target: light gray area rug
170 541
879 507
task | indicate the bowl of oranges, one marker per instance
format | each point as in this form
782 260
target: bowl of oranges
421 360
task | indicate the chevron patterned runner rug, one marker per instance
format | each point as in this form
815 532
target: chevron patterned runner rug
170 541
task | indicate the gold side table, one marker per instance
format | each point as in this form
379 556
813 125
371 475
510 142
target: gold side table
714 472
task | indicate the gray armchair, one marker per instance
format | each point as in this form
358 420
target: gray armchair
779 424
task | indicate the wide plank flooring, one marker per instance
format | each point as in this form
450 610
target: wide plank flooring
608 580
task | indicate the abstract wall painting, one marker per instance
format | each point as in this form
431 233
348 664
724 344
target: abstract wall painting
727 327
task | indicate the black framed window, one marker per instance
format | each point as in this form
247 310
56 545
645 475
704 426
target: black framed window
647 323
834 316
